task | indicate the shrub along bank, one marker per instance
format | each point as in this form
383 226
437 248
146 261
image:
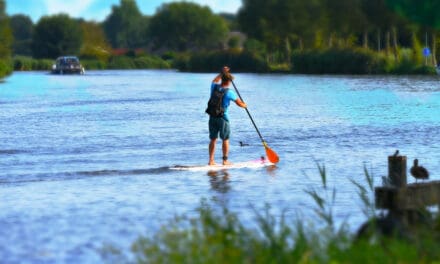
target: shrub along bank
330 61
5 68
22 63
213 61
356 61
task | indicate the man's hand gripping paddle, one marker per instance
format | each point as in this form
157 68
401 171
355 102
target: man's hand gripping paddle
271 155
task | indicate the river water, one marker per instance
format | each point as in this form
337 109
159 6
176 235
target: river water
84 160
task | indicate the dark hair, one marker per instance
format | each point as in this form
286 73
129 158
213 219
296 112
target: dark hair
227 77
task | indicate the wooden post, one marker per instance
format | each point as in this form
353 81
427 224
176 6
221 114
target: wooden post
405 202
397 171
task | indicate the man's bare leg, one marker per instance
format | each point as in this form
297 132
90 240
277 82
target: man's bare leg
225 149
212 151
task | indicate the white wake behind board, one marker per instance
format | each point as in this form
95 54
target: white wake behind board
218 167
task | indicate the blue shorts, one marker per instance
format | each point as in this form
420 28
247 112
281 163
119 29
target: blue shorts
218 125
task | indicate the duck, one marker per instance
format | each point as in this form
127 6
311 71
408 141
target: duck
242 144
419 172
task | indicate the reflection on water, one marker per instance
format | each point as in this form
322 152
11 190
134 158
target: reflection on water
219 180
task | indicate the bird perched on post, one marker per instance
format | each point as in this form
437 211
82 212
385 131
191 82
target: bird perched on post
419 172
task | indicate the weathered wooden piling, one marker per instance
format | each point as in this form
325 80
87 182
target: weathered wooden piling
397 170
402 199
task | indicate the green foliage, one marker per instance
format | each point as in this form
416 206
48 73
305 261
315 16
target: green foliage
25 63
286 25
22 30
42 65
121 62
213 61
5 42
5 67
231 21
183 26
95 45
56 36
357 61
6 37
338 61
364 194
234 42
143 62
255 47
282 24
93 64
126 27
218 236
424 12
151 62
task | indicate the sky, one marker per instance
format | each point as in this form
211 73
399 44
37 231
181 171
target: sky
97 10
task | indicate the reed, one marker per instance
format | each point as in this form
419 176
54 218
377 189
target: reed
218 236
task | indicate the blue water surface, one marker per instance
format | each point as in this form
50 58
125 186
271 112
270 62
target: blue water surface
84 160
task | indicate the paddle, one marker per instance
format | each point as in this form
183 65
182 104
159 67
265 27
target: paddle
271 155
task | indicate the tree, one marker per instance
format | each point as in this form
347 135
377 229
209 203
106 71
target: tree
186 26
424 12
347 19
95 44
282 23
55 36
126 27
22 29
5 42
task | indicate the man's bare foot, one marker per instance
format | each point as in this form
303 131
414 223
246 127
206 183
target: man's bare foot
212 163
226 162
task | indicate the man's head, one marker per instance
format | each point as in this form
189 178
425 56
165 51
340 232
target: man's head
226 76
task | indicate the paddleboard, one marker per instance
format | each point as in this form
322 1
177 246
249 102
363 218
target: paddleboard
218 167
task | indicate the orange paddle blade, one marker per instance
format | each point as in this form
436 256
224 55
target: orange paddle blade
271 155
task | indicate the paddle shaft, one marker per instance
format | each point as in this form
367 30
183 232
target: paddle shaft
249 114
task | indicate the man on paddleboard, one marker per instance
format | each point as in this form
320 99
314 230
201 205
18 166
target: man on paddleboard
219 126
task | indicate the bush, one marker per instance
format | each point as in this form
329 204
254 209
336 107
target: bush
425 69
42 64
121 62
151 62
356 61
23 63
143 62
91 64
5 68
181 62
213 61
338 61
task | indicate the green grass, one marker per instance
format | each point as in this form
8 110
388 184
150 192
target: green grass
218 236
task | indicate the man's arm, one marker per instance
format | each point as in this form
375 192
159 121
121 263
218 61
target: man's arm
240 103
217 78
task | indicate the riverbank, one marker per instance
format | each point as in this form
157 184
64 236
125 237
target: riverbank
330 61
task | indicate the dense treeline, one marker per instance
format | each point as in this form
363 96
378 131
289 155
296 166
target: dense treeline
5 42
314 36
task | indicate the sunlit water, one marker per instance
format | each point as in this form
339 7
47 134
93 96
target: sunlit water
84 160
